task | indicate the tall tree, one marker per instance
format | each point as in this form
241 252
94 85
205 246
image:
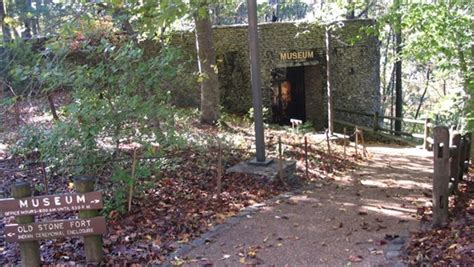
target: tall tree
210 94
5 28
398 67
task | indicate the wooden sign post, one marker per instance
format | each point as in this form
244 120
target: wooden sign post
29 250
92 243
26 232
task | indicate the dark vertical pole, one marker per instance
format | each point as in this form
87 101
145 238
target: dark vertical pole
92 243
29 250
256 90
398 74
426 134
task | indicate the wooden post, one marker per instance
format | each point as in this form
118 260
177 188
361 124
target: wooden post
469 148
465 154
364 149
356 140
376 121
454 163
426 134
462 147
45 178
132 179
17 113
29 250
344 139
93 243
280 160
327 141
441 175
219 167
306 157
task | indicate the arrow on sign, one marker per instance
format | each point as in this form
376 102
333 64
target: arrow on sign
10 234
95 201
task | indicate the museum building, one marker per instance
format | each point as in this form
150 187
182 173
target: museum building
294 70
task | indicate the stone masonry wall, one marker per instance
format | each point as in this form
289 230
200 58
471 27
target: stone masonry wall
355 66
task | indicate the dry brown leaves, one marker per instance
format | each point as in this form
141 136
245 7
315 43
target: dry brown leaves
452 245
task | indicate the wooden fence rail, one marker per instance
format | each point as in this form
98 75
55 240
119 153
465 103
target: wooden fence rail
450 163
376 118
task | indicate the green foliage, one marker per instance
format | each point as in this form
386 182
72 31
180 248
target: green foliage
438 35
265 114
117 101
450 110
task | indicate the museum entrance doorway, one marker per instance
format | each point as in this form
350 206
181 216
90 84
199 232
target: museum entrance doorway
288 101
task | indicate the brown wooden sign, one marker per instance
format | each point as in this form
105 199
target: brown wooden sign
55 229
53 203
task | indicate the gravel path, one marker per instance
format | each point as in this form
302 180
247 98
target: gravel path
351 219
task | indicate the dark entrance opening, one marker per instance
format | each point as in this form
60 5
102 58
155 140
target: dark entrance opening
288 86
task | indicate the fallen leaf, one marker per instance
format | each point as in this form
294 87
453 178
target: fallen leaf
355 258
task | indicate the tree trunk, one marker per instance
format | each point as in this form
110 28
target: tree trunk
428 72
207 65
25 8
36 20
385 91
52 106
5 28
350 10
398 72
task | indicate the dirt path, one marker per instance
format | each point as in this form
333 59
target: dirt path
333 223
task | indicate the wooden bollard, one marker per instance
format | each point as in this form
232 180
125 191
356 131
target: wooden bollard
469 148
462 149
219 168
441 175
356 132
29 250
306 157
132 178
280 160
364 149
93 243
454 161
426 134
376 121
464 155
344 139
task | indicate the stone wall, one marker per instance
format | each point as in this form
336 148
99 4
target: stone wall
355 66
